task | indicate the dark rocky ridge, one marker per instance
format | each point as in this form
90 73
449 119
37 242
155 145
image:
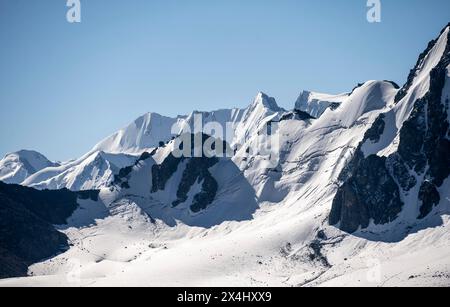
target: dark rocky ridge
370 194
196 171
371 186
412 74
27 216
296 115
163 172
424 145
121 177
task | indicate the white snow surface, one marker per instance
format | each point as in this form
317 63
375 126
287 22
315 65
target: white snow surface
93 171
315 103
16 167
262 227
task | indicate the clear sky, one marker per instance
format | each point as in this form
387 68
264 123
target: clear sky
64 87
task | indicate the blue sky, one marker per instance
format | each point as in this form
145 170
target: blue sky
64 87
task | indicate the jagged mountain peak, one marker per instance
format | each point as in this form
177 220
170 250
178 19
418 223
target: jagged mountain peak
150 129
400 169
144 133
25 153
93 171
266 101
418 79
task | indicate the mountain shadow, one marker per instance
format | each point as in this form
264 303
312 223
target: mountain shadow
27 234
235 200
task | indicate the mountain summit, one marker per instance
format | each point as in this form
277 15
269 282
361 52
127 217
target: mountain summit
16 167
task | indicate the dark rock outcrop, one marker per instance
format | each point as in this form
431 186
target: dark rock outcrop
370 194
163 172
296 115
27 234
412 74
334 106
377 129
429 196
412 136
401 172
196 171
424 145
371 186
121 178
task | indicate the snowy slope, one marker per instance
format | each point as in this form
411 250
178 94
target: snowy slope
268 224
315 104
93 171
146 132
264 246
97 168
16 167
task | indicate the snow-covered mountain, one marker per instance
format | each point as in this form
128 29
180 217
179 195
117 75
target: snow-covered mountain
144 133
16 167
150 130
97 168
358 193
92 171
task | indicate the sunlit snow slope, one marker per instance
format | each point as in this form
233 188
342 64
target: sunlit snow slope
16 167
245 221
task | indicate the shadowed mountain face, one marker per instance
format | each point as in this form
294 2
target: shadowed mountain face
189 188
27 234
373 183
25 238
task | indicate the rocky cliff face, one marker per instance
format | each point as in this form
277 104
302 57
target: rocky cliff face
196 185
369 194
424 146
196 172
372 186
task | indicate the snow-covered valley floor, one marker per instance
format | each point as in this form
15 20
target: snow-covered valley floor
273 249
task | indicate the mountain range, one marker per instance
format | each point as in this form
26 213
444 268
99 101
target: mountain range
358 194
